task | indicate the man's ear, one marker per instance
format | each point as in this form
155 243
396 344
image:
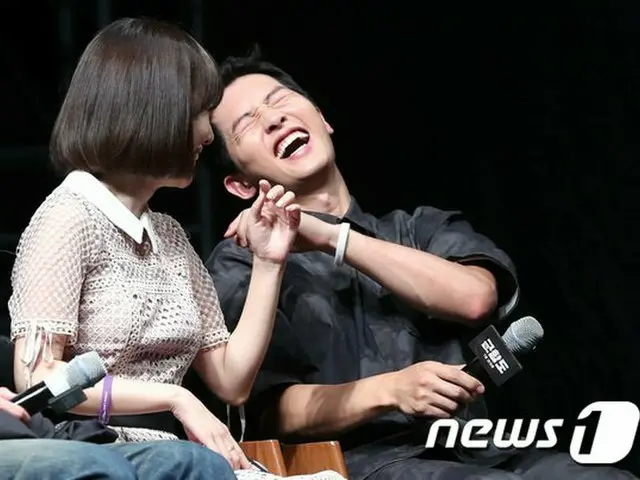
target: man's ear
240 187
326 124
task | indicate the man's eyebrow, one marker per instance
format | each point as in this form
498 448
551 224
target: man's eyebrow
266 99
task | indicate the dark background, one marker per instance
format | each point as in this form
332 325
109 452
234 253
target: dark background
523 115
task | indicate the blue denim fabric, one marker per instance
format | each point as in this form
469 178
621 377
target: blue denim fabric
68 460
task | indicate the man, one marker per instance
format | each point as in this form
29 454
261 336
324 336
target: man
373 313
31 458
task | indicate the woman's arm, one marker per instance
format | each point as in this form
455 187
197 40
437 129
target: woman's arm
131 397
231 369
128 397
269 229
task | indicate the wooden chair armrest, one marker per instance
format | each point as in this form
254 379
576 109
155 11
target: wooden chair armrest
307 458
268 453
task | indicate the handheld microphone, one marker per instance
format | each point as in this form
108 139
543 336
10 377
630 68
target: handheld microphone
82 372
495 356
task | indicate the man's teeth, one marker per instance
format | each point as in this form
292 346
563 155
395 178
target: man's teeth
288 140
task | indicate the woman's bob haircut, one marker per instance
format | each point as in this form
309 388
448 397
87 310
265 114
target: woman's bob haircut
131 102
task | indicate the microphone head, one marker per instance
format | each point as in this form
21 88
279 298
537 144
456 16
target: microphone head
523 335
85 370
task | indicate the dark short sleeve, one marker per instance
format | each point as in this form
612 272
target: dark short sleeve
230 268
448 235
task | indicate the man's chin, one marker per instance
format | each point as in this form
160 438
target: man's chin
315 169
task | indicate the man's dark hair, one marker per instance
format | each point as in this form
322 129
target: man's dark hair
132 99
232 69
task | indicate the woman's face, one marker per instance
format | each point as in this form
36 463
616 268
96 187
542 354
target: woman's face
202 136
202 133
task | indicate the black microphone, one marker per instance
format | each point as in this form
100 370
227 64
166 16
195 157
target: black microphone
495 356
82 372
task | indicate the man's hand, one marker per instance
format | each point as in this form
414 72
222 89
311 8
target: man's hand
315 234
432 389
11 408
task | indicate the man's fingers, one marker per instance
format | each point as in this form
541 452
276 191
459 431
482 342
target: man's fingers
436 412
453 392
241 231
233 227
11 408
240 241
455 375
443 402
293 215
16 411
6 393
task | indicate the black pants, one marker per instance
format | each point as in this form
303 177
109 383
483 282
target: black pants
534 465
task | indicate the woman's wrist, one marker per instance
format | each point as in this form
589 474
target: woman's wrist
267 266
177 397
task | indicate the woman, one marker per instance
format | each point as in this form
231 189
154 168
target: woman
96 269
54 459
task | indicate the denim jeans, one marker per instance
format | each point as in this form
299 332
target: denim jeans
68 460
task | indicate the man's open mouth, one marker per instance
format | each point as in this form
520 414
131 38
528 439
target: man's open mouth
291 143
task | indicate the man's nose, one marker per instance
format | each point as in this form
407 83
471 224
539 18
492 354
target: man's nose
272 119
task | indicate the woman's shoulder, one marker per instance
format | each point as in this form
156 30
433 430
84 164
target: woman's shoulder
167 226
62 223
172 235
62 209
164 220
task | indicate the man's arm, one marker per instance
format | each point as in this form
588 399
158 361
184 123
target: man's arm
445 273
428 389
322 410
432 284
280 399
280 402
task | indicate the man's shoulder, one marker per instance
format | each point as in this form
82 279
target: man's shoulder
228 251
423 214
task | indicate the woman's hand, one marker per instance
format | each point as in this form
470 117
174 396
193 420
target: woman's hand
201 426
269 227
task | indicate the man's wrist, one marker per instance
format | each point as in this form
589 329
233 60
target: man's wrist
382 390
330 240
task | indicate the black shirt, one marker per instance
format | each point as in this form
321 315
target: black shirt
336 325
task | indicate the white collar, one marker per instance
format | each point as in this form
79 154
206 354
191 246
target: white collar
85 184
